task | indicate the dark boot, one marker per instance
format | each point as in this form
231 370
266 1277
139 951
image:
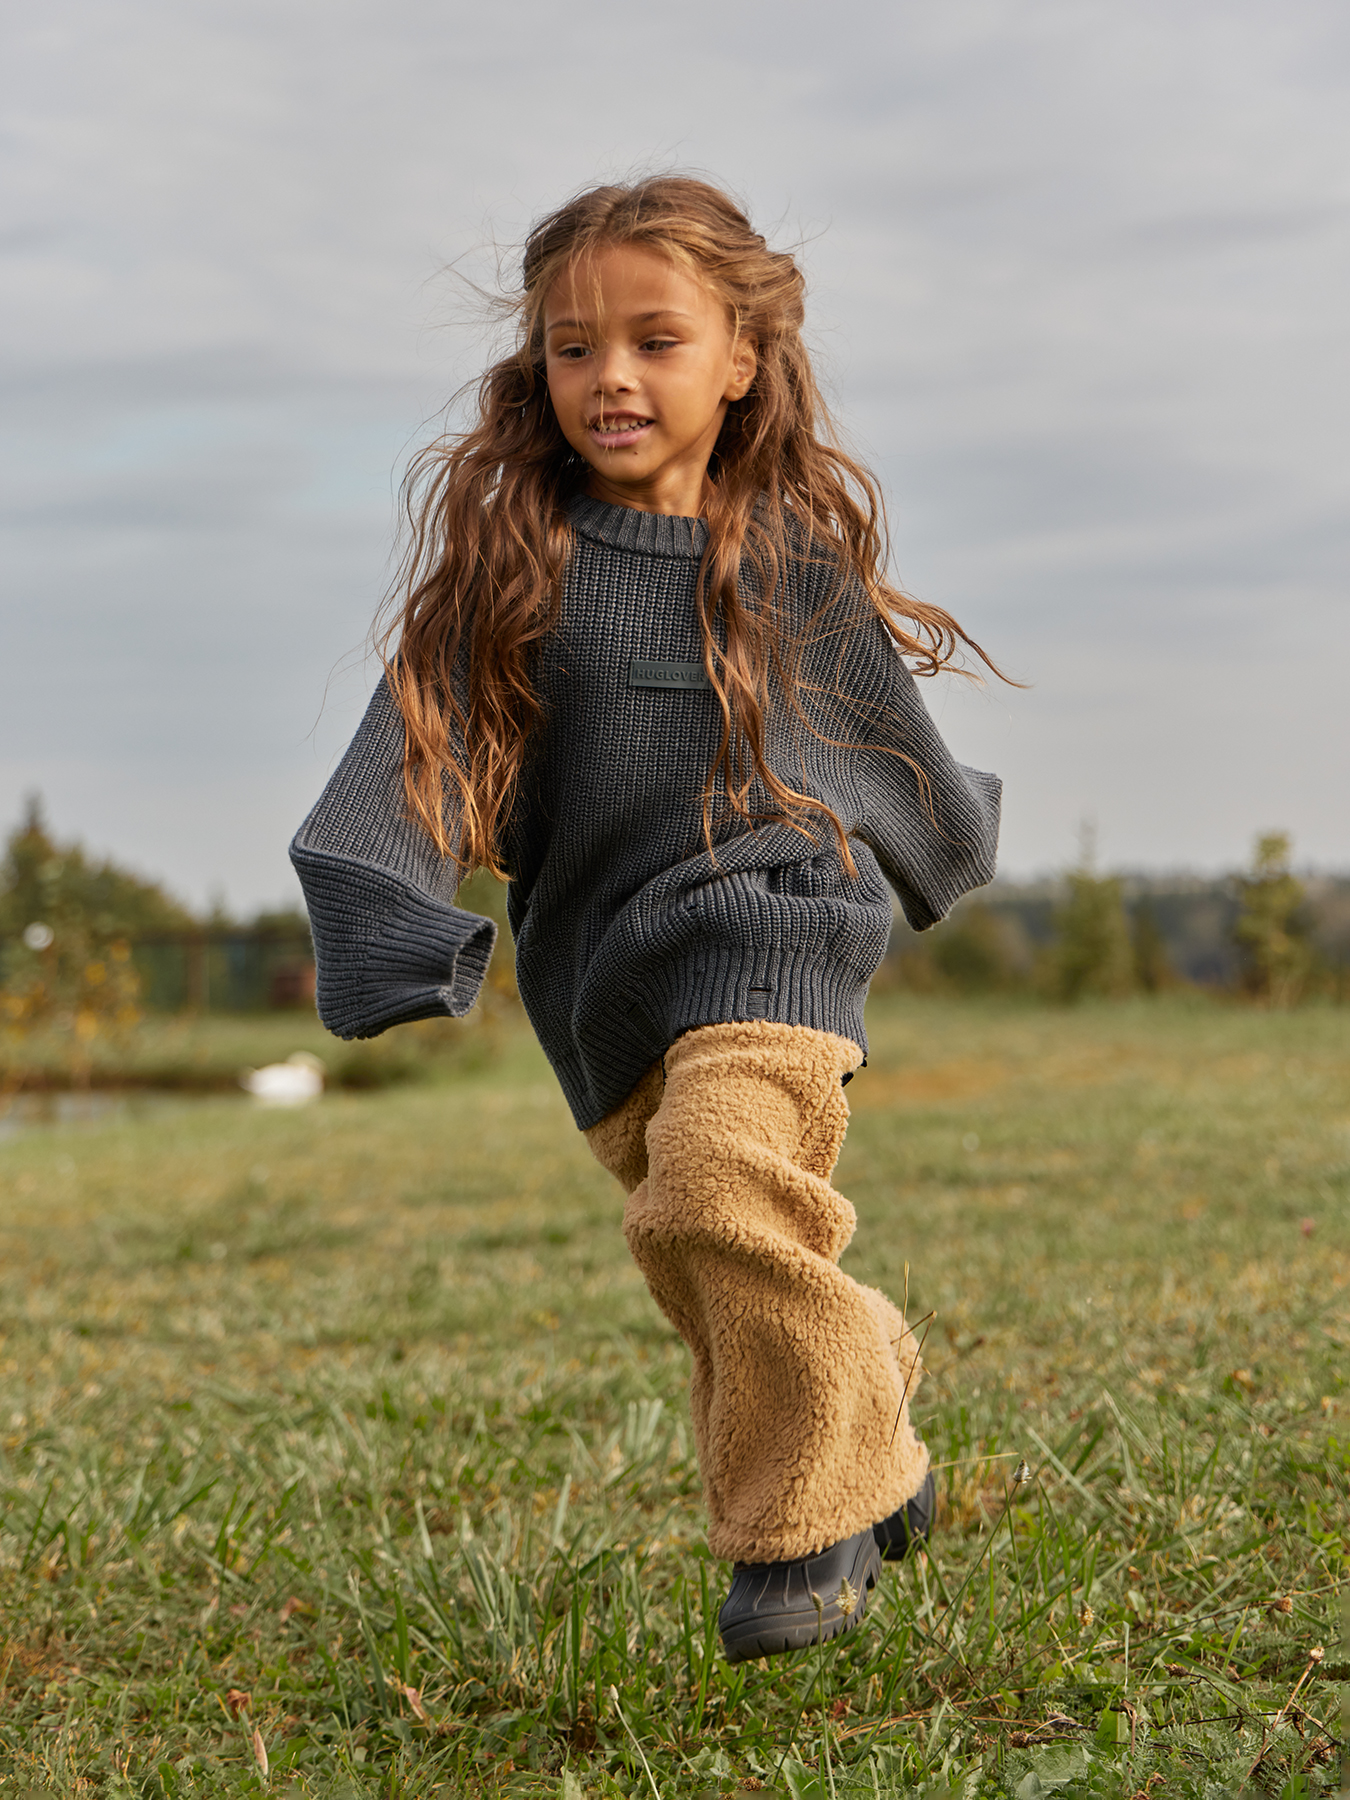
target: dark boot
773 1607
909 1524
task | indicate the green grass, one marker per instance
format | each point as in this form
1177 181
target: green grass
356 1428
206 1052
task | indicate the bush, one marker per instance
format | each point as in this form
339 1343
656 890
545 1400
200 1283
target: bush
1272 928
1092 953
978 950
65 949
1153 969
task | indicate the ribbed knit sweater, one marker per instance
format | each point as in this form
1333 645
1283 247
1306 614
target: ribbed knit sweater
628 930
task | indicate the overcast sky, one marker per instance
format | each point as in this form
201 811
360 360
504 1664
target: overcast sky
1079 274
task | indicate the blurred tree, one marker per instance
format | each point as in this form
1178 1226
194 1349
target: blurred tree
284 921
1272 930
974 952
65 950
1152 966
41 881
1091 953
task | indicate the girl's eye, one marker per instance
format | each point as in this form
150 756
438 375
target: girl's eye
658 344
570 352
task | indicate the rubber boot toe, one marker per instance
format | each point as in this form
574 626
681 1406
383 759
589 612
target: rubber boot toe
778 1606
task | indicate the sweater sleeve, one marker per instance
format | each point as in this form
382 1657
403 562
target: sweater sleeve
932 822
389 942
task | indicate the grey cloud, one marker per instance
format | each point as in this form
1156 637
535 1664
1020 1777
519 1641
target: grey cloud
1203 233
231 372
210 492
1077 276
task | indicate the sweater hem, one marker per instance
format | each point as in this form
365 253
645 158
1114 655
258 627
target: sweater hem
712 985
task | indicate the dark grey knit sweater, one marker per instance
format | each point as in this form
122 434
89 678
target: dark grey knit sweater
627 931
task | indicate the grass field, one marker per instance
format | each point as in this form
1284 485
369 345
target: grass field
348 1441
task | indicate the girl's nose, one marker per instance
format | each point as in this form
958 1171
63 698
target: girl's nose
613 372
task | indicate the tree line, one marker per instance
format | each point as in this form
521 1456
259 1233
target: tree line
87 948
1263 933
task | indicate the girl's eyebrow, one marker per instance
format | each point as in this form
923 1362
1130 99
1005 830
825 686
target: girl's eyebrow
665 312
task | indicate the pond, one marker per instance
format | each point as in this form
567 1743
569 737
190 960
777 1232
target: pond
80 1110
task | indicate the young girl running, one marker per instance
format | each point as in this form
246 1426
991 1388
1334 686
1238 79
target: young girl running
648 665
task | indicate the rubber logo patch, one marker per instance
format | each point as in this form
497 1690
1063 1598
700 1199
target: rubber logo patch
648 674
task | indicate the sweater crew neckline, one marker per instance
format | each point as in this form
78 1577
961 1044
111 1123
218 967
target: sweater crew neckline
646 533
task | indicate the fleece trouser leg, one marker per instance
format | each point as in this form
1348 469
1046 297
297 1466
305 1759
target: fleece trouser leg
801 1377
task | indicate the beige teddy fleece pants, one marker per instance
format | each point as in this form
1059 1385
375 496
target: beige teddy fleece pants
800 1375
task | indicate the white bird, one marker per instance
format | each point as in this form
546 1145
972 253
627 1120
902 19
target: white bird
294 1082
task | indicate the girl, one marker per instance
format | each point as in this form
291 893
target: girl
647 664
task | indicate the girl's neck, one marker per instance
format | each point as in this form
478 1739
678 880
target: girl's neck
674 500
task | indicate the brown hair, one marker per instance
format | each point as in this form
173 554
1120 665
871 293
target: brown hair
480 582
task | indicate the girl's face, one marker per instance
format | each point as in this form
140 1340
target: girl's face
641 367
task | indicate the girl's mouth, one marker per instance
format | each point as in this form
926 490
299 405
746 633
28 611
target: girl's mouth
617 434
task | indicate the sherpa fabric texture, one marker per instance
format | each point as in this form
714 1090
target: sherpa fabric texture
628 930
802 1378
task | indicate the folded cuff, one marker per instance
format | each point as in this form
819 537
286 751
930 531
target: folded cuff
387 953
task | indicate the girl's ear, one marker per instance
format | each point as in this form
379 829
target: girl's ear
744 363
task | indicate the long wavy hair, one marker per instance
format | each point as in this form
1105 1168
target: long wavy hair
480 582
